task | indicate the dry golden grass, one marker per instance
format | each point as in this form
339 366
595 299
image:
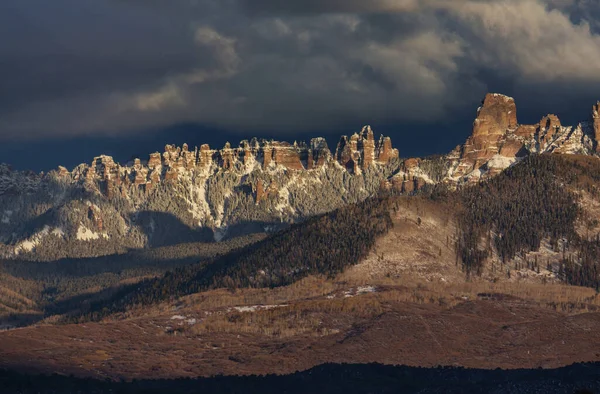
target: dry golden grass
317 317
318 307
13 303
571 299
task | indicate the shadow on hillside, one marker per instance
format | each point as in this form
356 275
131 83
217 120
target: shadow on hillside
166 229
90 266
20 319
333 378
252 227
168 251
57 302
72 284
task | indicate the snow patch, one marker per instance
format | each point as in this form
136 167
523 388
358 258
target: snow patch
220 233
500 162
359 291
58 232
29 244
85 234
198 206
284 200
220 209
365 289
255 308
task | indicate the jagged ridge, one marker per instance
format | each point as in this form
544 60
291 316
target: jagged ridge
186 195
497 142
197 194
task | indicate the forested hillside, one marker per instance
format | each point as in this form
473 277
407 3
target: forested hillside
322 245
535 200
30 289
508 215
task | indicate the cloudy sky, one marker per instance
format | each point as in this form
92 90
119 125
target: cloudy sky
86 75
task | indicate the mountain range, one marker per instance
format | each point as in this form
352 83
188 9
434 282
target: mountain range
204 194
274 257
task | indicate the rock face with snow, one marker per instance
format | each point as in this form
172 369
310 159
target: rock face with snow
359 152
596 124
202 194
184 194
497 141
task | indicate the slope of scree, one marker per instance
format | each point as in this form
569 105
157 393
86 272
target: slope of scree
322 245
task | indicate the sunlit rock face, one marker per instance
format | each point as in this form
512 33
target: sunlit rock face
360 151
497 141
199 194
596 125
184 194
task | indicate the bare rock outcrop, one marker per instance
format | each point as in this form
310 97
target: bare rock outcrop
596 125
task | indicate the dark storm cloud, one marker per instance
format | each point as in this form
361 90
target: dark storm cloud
308 7
72 67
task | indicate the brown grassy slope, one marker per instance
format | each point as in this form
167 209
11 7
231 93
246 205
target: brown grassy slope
406 323
422 241
16 301
421 244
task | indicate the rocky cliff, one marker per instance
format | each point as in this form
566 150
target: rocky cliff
497 141
355 154
189 194
185 194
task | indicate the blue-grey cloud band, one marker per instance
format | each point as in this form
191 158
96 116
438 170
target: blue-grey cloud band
85 67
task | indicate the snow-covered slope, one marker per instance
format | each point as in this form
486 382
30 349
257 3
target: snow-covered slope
202 194
185 195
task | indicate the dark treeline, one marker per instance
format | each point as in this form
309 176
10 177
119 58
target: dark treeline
527 203
516 210
66 283
511 213
334 378
321 245
581 268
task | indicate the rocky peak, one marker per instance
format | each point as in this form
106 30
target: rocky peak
497 114
227 157
359 152
550 122
103 174
384 150
596 125
14 181
287 155
344 153
498 141
548 127
62 171
494 133
318 153
367 145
